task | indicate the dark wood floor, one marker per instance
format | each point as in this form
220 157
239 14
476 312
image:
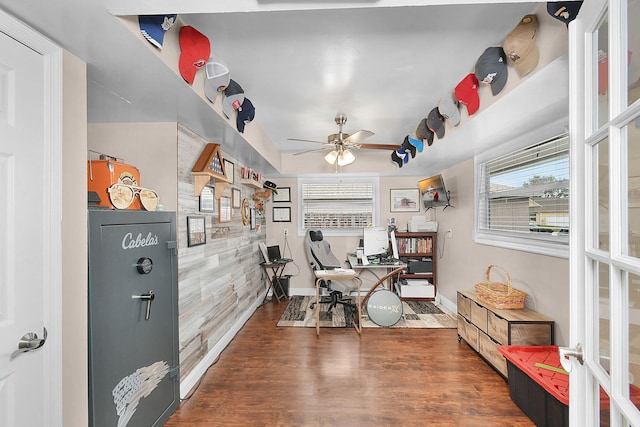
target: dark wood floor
284 376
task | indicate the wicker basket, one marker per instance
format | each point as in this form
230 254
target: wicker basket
499 295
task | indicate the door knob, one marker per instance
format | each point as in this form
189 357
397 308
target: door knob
570 352
29 342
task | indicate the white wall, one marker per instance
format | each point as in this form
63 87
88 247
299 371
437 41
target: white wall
75 387
151 147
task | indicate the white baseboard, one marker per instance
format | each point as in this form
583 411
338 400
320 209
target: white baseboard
448 304
194 376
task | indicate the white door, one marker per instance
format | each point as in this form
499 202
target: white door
605 185
29 218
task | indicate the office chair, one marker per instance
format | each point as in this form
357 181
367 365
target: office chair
320 257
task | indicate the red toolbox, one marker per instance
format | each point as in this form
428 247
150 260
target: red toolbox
542 392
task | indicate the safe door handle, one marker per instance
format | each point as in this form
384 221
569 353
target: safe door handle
148 297
29 342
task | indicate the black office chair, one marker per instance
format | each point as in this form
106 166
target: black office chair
320 257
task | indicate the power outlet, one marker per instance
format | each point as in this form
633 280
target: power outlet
286 232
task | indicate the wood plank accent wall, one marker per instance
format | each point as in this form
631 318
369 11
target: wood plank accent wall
218 281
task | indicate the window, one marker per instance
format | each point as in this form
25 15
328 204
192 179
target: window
523 198
337 206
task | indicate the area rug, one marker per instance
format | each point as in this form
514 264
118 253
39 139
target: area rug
417 314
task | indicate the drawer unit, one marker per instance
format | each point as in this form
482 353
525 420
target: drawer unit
488 349
479 316
485 329
464 306
498 328
468 332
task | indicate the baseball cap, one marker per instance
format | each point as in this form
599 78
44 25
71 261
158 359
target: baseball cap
233 98
271 186
195 50
448 108
153 27
416 143
520 45
435 122
218 77
491 68
565 11
408 147
423 132
398 157
246 114
467 93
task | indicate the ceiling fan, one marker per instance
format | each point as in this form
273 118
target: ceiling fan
341 144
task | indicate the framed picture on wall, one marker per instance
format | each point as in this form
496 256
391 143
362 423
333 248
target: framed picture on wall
207 200
229 169
253 219
405 200
196 230
236 196
281 214
224 211
284 195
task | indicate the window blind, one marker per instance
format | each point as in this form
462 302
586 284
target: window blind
337 204
526 192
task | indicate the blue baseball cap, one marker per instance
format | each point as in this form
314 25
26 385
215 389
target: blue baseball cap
246 113
418 143
153 27
565 11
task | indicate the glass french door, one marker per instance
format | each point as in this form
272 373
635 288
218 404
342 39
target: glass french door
605 180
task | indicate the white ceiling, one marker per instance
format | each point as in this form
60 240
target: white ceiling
385 63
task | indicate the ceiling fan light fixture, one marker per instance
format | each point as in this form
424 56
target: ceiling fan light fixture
346 158
331 157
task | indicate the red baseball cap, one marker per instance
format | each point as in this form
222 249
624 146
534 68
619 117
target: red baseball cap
467 93
195 50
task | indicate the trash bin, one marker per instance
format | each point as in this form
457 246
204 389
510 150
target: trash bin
284 282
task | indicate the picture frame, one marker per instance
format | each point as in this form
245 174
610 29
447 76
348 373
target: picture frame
224 209
207 199
281 214
196 230
229 168
236 196
284 195
253 219
404 200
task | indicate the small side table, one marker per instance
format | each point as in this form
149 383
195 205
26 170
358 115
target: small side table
274 274
341 274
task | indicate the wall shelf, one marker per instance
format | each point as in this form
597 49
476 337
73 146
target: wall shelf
251 183
201 179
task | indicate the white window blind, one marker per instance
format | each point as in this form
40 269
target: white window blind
525 194
335 204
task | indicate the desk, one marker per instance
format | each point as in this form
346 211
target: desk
372 268
274 274
337 275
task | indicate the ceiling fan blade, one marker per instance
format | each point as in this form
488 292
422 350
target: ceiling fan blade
379 146
358 136
311 151
308 140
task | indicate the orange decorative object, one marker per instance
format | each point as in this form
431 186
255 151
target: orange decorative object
101 174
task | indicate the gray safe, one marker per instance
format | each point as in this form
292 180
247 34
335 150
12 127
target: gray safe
133 318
